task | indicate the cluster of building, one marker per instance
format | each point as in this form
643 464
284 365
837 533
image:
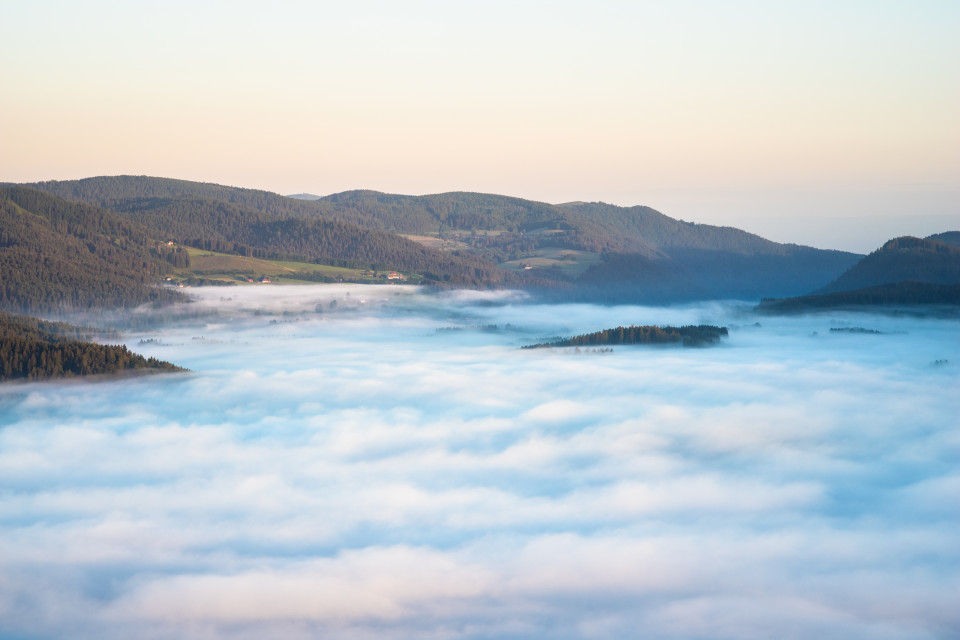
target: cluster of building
393 275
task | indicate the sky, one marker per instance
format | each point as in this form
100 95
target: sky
825 123
391 467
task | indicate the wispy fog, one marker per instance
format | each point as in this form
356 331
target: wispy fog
376 462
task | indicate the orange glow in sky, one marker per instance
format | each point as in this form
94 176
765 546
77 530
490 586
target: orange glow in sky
744 113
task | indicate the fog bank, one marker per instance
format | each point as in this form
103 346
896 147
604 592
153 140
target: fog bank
378 462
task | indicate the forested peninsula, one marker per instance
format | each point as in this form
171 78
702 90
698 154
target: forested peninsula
899 294
32 349
689 336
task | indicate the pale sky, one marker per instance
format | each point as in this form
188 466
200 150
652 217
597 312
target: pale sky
826 123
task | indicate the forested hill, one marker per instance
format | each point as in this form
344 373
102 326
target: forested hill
950 237
689 336
445 212
263 224
644 254
898 295
590 226
614 253
118 191
906 258
60 255
230 227
37 350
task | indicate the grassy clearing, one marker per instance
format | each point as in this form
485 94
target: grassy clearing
433 242
241 270
569 261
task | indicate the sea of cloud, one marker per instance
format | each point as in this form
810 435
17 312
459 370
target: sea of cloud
379 462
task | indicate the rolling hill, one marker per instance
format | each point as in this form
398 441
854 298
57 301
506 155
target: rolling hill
950 237
627 253
57 255
266 225
904 272
644 254
903 259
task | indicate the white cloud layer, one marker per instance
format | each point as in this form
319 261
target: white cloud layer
393 466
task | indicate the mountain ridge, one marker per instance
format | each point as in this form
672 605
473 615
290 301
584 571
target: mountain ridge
905 258
58 255
594 251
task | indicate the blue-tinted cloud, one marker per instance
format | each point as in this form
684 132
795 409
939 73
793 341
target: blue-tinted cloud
392 466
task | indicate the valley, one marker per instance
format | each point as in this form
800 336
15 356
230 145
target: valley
107 244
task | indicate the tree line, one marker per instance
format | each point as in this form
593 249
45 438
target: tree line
689 336
899 293
59 255
34 349
231 228
699 260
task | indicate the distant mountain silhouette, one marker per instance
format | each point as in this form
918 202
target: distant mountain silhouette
645 255
304 196
930 260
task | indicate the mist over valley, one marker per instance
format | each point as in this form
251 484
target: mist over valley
229 413
375 461
625 319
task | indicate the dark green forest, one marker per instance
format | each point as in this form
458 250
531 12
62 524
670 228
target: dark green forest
232 228
111 192
60 255
266 225
900 259
950 237
106 243
634 254
692 261
908 293
35 349
688 336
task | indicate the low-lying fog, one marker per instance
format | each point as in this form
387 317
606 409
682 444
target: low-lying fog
374 462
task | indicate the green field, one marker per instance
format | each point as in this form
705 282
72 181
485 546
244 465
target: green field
572 262
233 269
569 261
433 242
